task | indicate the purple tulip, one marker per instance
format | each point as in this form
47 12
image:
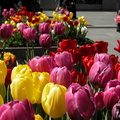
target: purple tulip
64 59
6 31
116 111
22 27
103 57
111 94
12 11
100 73
99 100
62 76
45 40
29 33
17 110
59 28
80 103
44 28
42 64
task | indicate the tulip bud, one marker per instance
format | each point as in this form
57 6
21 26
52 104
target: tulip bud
6 31
100 73
17 110
64 59
44 28
61 76
45 40
80 102
59 28
38 117
42 64
53 100
29 33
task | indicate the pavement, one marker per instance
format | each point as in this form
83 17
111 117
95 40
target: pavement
102 27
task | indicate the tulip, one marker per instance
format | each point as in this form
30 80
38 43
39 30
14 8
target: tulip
44 28
111 93
6 31
118 47
45 40
100 73
61 76
53 100
29 86
1 100
42 64
116 111
21 27
59 28
38 117
80 103
22 69
99 100
103 57
29 33
64 59
17 110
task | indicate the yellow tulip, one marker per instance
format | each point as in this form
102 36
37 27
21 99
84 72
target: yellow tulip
3 69
22 69
38 117
29 86
86 23
53 100
2 102
2 90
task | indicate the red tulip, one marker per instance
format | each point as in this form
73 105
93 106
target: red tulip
62 76
80 103
44 28
29 33
59 28
17 110
6 31
118 48
45 40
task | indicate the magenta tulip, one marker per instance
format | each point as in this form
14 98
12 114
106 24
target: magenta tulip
100 73
116 111
42 64
29 33
99 100
22 27
80 103
44 28
45 40
62 76
111 94
6 31
59 28
103 57
64 59
17 110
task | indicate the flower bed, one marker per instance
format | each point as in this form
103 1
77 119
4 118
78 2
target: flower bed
75 80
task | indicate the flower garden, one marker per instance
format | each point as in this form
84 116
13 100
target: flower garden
78 80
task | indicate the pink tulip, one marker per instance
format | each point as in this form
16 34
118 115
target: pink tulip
64 59
22 27
44 28
111 94
17 110
99 100
42 64
100 73
62 76
5 13
6 31
59 28
80 103
29 33
45 40
103 57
